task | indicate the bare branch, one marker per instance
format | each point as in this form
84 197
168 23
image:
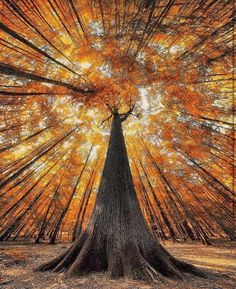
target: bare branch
105 120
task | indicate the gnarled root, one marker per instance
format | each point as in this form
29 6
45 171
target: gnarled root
127 259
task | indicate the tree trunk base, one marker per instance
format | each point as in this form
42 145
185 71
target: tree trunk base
129 259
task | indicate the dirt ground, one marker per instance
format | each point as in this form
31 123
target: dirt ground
17 261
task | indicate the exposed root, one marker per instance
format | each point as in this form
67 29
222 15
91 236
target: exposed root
65 259
82 263
135 266
189 268
51 264
127 261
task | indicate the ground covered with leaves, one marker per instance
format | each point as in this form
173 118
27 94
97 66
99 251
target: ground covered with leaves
18 260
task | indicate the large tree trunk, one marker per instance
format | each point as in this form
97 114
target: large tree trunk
117 238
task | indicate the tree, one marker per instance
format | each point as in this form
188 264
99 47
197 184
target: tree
117 238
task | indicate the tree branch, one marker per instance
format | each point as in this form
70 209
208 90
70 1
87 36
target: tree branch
127 114
105 120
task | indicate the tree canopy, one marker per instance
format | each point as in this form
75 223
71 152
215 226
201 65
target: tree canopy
63 63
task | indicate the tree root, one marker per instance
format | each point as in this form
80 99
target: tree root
128 261
189 268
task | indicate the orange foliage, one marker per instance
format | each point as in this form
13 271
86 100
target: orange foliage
176 72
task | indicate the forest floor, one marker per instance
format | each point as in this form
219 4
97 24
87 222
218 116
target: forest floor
17 261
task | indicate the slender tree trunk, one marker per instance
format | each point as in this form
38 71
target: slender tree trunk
117 238
65 210
83 205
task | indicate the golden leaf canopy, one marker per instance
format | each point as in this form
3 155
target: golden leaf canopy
62 62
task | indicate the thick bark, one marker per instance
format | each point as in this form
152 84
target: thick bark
117 238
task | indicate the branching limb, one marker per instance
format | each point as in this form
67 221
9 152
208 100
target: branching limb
128 113
105 120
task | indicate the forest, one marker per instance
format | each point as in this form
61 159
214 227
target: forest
117 144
